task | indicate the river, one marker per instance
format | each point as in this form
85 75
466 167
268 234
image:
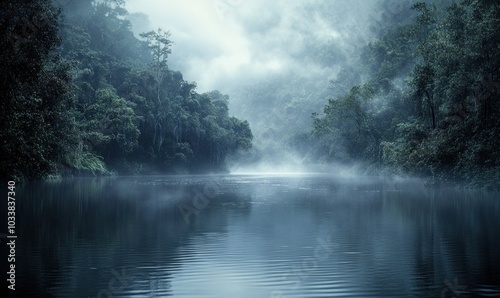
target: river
288 235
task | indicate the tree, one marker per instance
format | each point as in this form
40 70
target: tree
93 103
346 123
37 131
160 45
110 125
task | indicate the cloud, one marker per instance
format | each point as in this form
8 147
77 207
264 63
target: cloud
205 48
223 43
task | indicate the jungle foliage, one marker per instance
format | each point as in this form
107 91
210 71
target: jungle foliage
429 101
81 95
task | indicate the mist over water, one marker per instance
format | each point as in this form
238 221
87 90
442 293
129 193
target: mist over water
286 235
266 56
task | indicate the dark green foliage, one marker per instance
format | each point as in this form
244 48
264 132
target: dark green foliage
36 130
430 104
154 121
84 96
455 90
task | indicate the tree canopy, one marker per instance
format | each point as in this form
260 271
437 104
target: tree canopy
84 96
429 105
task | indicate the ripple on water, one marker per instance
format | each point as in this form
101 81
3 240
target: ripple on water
258 237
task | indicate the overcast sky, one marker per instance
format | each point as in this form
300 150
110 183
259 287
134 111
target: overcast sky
223 43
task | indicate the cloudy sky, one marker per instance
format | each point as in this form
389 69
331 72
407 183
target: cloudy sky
223 43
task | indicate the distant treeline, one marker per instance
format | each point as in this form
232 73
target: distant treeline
424 99
82 96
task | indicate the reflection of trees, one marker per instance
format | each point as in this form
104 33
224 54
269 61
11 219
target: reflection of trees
453 234
394 241
407 241
82 229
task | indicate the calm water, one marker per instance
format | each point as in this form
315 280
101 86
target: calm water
255 236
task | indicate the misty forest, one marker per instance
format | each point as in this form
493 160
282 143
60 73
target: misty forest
319 112
83 95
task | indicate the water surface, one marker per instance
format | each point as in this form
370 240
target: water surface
255 236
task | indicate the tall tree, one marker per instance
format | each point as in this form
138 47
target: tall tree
36 129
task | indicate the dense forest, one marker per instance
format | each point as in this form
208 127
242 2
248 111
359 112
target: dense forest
423 100
82 96
417 94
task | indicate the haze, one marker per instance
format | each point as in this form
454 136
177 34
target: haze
227 44
243 48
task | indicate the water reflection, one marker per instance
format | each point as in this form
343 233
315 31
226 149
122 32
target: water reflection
255 236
